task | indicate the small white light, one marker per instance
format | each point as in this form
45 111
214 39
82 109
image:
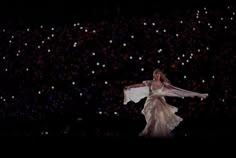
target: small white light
12 36
39 92
231 18
181 22
78 24
6 69
182 63
110 41
73 83
191 54
140 58
177 35
142 69
9 41
221 18
42 42
182 97
93 72
93 54
81 27
106 82
132 36
17 54
226 27
197 11
41 26
203 81
157 31
194 29
184 76
210 27
100 112
153 24
144 24
204 8
80 94
13 97
158 61
223 100
183 55
206 12
207 48
115 113
52 28
4 58
201 98
4 99
52 35
38 47
103 65
28 29
53 87
27 69
124 44
74 25
1 97
187 60
98 63
85 30
19 51
159 50
94 31
164 30
48 38
233 13
198 50
130 57
46 132
178 58
3 30
49 50
190 57
213 76
199 21
197 17
25 44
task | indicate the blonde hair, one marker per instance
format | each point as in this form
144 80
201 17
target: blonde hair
163 77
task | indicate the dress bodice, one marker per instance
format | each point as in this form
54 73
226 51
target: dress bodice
157 86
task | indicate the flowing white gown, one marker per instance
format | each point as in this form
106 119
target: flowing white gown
160 116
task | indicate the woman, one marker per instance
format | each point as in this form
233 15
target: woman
160 117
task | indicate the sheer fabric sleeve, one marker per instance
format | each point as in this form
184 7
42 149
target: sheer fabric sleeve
172 91
135 94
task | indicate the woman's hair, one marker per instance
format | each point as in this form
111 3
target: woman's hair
163 77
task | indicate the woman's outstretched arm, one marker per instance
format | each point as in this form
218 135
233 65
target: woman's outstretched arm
135 86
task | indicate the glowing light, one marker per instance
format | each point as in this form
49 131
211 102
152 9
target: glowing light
25 44
187 60
203 81
144 24
39 92
194 29
98 63
94 31
38 47
17 54
106 82
198 50
52 29
181 22
41 26
85 30
28 29
81 27
153 24
13 97
93 54
157 31
178 58
221 18
27 69
132 36
130 57
74 25
110 41
103 65
4 58
226 27
183 55
140 58
52 35
80 94
6 69
159 50
213 76
100 112
164 30
182 63
93 72
158 61
78 24
49 50
177 35
184 76
124 44
52 87
73 83
142 69
115 113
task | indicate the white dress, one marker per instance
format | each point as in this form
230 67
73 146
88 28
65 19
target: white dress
160 116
